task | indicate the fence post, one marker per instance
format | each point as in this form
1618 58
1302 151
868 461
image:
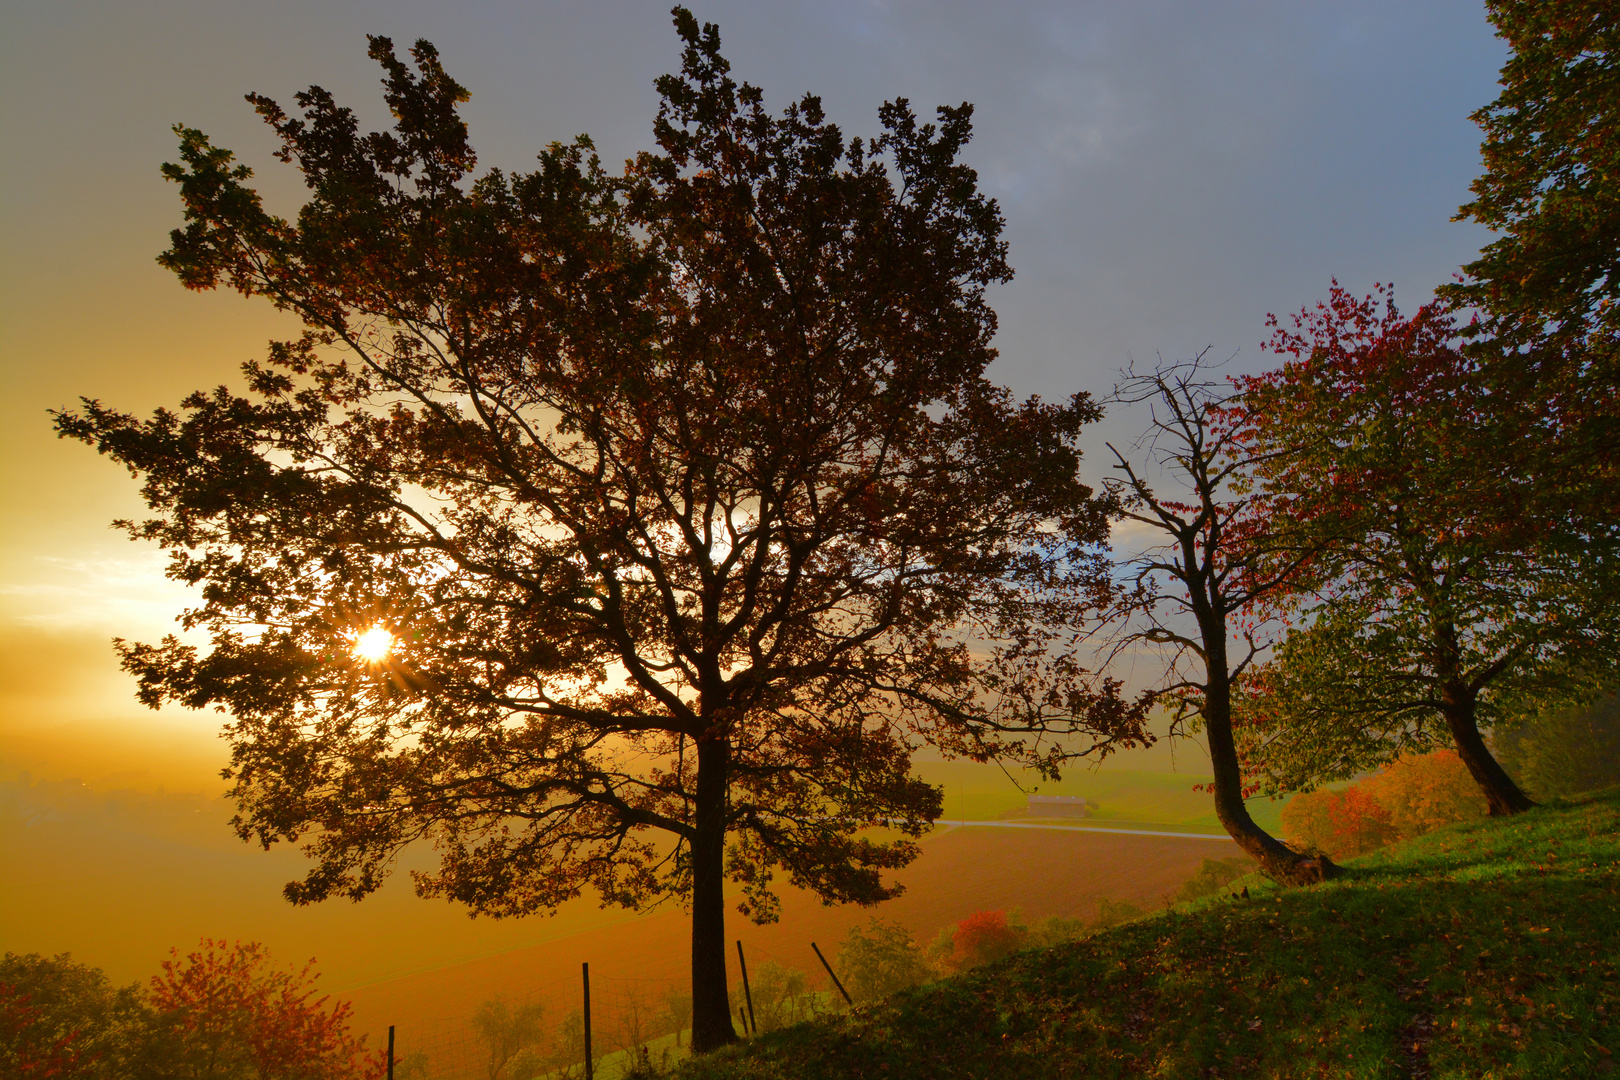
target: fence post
390 1052
828 966
585 971
748 995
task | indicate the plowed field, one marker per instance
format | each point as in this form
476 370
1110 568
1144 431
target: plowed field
962 870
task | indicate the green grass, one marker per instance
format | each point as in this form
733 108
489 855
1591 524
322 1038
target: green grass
1486 950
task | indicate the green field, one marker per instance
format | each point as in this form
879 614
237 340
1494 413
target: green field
1485 950
1123 795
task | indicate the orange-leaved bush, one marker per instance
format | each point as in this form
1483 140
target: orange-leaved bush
1423 792
228 1007
1340 823
1414 795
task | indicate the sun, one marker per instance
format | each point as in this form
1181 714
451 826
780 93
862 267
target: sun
373 646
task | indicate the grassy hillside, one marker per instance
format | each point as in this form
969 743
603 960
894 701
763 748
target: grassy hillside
1490 949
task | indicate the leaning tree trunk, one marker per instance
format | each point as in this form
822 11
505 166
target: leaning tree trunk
711 1004
1502 795
1277 860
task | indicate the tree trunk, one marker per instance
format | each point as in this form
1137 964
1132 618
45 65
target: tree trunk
1503 796
1277 860
711 1004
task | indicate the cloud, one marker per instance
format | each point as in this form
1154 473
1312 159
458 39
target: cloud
121 596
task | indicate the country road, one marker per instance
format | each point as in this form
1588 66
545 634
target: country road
1076 828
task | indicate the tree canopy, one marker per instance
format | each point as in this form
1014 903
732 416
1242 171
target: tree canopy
1548 287
1438 594
621 531
1551 184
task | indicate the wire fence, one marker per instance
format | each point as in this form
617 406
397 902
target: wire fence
540 1031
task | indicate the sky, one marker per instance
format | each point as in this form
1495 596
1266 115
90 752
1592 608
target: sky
1170 173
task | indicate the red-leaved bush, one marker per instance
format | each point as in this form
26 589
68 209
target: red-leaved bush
229 1005
982 937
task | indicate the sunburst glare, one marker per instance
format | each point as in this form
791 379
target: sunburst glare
373 646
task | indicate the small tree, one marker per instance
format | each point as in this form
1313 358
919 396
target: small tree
62 1018
1424 792
568 1055
781 995
28 1047
507 1030
678 1010
1195 591
636 1022
879 959
981 938
1212 876
1341 823
620 533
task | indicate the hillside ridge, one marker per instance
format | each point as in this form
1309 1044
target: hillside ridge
1487 949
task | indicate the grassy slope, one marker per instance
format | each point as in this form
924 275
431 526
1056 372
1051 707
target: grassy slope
1483 950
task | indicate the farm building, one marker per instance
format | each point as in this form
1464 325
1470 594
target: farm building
1069 806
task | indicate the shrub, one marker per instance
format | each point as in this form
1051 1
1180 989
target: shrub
880 959
1055 930
1115 912
1426 791
1212 876
1340 823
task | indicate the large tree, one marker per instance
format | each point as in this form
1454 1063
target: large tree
1206 566
1441 590
1548 287
1551 184
613 531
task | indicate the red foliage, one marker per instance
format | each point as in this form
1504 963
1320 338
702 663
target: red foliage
982 937
1362 374
227 1001
34 1054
